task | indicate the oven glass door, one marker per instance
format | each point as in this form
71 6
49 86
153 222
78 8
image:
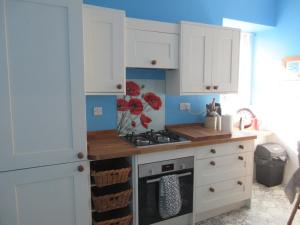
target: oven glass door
149 197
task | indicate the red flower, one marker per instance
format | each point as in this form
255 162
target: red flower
153 100
135 106
122 105
133 123
132 88
145 120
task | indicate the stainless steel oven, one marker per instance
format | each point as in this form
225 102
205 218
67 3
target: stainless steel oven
149 177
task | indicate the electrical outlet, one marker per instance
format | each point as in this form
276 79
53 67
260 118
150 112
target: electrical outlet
185 106
98 111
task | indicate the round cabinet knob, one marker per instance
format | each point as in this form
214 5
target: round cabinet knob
216 87
241 146
207 87
119 86
80 168
153 62
213 163
211 189
240 183
213 151
80 155
241 158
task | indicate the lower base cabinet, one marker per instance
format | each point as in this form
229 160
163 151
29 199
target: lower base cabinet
222 193
58 194
223 178
227 167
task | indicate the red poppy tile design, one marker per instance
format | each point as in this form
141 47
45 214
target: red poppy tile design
134 109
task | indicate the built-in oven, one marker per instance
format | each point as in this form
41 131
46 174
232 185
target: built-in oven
149 177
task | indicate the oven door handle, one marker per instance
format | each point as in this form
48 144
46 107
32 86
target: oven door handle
179 175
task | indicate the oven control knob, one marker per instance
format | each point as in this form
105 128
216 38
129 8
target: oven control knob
150 172
182 167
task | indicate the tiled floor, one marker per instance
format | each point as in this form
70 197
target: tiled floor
269 207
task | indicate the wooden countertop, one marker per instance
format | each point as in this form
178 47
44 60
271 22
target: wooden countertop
196 132
108 145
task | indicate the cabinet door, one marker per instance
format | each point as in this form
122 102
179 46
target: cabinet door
196 45
220 194
42 99
45 196
225 66
227 167
146 49
104 67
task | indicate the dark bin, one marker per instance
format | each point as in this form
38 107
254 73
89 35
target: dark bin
270 159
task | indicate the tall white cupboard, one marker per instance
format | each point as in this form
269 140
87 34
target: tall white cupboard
44 176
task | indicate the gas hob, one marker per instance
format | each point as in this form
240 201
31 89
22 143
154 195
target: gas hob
151 138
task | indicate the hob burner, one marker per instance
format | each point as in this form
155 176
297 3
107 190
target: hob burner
152 137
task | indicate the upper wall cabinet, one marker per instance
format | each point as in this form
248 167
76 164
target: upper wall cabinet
209 61
151 44
42 98
104 49
225 62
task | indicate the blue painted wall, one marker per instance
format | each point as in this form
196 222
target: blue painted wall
206 11
271 85
271 47
284 38
276 99
175 116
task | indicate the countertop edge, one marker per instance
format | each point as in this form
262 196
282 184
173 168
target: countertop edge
107 152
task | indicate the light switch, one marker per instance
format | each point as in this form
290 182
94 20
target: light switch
185 106
98 111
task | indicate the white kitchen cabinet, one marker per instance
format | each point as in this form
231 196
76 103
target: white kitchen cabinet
216 195
217 150
223 177
196 59
225 60
58 194
226 167
151 44
209 61
42 98
104 51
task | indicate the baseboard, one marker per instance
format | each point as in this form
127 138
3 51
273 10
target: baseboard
215 212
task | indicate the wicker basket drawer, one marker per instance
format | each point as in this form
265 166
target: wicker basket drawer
114 197
116 217
110 172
